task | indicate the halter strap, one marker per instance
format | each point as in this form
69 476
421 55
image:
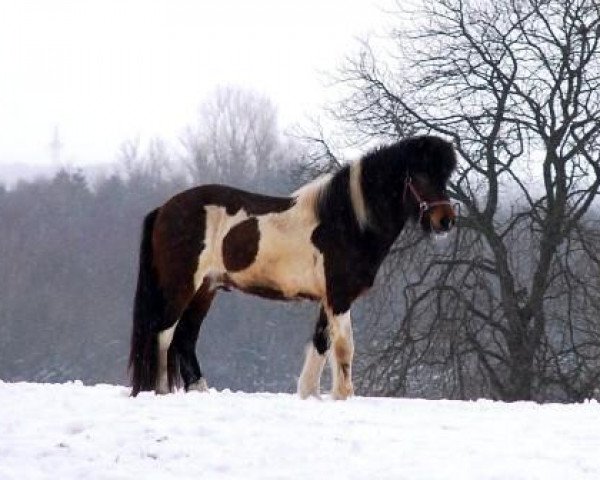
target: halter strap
424 205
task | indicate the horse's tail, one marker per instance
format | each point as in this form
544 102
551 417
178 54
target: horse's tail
148 310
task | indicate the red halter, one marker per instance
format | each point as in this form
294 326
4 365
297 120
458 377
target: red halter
424 205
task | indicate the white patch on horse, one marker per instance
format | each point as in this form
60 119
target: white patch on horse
308 195
287 260
210 261
356 195
309 383
164 342
344 322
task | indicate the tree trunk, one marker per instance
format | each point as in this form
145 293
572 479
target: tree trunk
522 341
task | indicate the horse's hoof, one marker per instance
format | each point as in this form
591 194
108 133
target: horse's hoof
342 393
305 391
198 386
305 395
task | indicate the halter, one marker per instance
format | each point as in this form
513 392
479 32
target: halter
424 205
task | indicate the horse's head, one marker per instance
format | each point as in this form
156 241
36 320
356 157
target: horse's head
428 206
425 196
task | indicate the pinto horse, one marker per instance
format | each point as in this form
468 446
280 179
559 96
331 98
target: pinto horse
324 243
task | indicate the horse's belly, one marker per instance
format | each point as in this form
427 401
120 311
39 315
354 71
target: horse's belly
292 277
286 265
287 262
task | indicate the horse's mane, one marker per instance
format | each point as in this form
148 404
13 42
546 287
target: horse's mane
424 153
342 192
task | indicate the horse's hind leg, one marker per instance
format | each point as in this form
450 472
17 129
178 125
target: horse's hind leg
186 336
165 338
309 382
167 376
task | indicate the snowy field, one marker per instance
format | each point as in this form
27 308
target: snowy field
71 431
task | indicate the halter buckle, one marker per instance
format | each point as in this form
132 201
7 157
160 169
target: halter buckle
424 205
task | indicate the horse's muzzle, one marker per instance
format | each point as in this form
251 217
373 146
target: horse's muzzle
442 218
446 223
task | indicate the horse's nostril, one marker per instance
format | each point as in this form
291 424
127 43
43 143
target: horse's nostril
446 223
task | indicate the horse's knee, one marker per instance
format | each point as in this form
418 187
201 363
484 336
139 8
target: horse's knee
321 340
343 350
342 338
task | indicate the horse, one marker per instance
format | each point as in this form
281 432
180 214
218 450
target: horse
325 243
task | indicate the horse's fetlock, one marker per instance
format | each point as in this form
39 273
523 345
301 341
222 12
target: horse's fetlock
343 390
308 388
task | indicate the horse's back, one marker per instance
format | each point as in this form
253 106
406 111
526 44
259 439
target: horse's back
231 198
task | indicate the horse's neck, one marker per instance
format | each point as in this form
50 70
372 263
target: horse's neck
374 246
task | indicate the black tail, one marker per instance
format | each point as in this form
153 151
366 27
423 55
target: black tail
148 311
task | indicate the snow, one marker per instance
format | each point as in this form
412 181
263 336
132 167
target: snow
72 431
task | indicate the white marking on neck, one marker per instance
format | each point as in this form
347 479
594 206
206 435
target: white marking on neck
356 195
307 196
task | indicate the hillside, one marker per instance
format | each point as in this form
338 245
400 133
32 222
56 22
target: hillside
74 431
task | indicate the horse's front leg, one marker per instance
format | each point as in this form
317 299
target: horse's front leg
333 331
309 383
342 353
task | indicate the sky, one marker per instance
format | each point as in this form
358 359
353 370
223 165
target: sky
103 72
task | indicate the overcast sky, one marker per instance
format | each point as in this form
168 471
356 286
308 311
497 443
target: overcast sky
107 71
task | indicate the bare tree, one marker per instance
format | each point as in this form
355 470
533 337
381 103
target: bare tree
320 156
237 139
507 309
150 165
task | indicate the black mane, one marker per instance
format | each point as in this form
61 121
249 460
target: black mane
425 154
383 172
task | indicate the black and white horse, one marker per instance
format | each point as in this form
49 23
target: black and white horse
324 243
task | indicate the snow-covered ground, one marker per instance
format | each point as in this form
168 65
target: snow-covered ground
71 431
